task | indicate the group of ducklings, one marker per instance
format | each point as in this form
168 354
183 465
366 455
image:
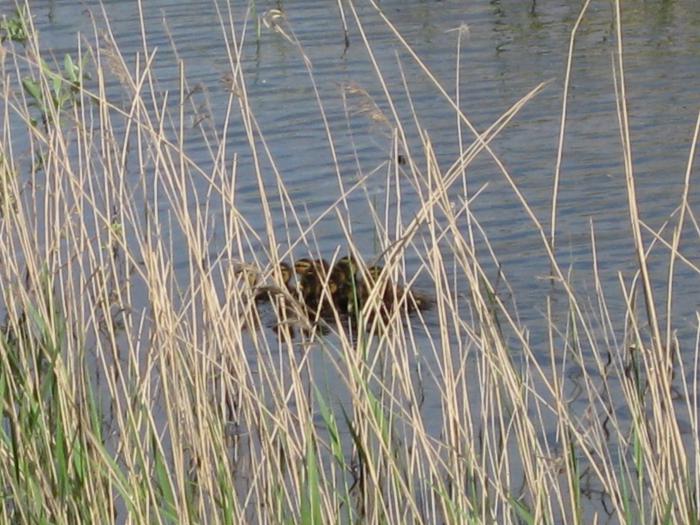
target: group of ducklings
343 288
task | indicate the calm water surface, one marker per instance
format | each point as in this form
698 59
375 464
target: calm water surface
506 51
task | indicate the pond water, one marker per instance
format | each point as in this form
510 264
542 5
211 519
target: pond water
507 48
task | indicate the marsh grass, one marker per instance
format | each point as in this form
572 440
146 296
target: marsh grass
135 390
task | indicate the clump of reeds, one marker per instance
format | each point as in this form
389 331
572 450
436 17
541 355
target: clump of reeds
138 388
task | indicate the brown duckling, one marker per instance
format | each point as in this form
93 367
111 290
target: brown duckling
369 280
344 284
287 314
265 292
391 295
312 276
286 274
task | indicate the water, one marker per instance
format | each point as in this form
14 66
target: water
506 50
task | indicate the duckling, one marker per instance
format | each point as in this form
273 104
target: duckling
344 283
386 295
391 295
310 277
247 276
286 274
318 286
414 300
288 313
265 292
